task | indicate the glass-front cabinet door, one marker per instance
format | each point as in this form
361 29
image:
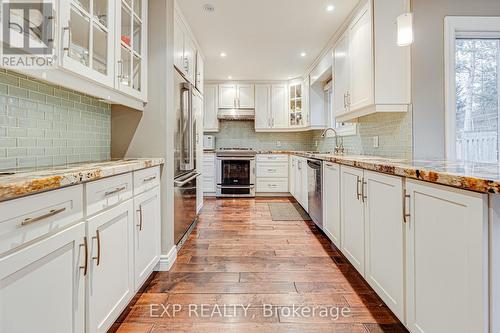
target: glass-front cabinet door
295 101
131 47
87 38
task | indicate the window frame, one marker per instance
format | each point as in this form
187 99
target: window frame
465 27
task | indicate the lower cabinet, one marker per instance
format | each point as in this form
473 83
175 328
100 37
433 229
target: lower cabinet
111 282
272 174
353 217
146 230
385 239
331 202
42 286
447 256
299 179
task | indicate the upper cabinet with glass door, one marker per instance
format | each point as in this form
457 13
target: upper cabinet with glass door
87 30
296 110
131 47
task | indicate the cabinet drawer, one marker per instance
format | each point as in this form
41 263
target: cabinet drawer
272 158
272 170
108 192
208 184
272 185
208 158
146 179
29 218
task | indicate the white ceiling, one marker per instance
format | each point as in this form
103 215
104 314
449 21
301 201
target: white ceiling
263 39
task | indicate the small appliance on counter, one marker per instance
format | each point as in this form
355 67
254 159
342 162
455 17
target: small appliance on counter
208 142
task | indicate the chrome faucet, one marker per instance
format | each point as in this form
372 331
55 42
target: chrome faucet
338 149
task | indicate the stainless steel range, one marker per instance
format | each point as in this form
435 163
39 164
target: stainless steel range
235 172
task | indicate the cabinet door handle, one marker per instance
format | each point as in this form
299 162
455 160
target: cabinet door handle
363 193
120 69
118 190
358 193
345 100
140 218
31 220
145 180
86 257
98 238
406 215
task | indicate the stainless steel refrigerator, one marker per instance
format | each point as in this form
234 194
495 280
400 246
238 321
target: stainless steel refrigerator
185 175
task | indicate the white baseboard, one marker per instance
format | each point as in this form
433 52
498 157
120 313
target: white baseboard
167 260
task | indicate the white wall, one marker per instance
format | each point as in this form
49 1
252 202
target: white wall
151 133
428 68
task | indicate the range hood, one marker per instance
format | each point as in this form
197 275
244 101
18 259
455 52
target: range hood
236 114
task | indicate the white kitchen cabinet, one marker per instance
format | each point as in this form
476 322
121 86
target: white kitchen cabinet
306 107
272 173
236 96
184 50
200 72
447 259
352 217
146 230
210 108
209 173
111 269
385 239
228 96
371 72
279 106
292 175
83 22
331 202
42 287
262 107
131 47
300 181
361 91
341 75
246 96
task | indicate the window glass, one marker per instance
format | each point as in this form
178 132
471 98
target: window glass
477 99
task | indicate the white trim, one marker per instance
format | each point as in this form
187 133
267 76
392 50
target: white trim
459 26
167 261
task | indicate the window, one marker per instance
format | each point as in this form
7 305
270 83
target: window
473 88
343 129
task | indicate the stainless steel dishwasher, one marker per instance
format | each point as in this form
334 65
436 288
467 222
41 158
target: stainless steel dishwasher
314 189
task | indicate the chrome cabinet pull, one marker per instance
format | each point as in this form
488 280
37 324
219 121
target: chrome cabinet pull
358 193
98 238
145 180
140 218
31 220
118 190
345 98
406 215
363 194
85 266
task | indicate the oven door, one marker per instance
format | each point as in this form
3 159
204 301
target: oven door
235 171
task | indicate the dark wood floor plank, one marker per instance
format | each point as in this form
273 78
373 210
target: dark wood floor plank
238 256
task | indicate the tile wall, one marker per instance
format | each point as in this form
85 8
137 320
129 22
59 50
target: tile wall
45 125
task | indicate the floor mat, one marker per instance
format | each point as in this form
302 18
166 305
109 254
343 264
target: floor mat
287 211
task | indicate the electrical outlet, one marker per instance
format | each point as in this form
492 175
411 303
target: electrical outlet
375 142
278 143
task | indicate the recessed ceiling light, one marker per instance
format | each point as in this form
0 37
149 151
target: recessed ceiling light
330 8
209 8
229 77
303 54
223 54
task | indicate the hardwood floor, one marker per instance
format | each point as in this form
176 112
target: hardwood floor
259 269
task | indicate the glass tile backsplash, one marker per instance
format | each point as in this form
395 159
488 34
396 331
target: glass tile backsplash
47 125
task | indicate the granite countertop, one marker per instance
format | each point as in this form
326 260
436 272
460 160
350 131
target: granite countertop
478 177
21 182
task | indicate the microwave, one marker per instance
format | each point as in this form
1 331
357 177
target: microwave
209 142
